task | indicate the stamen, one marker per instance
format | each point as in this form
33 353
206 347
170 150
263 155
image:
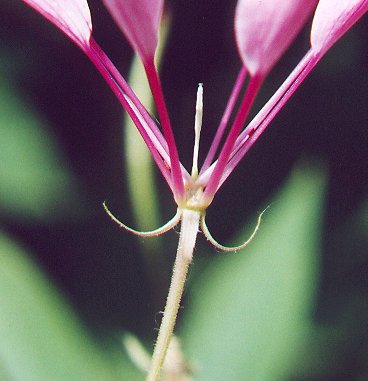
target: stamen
161 230
197 129
209 237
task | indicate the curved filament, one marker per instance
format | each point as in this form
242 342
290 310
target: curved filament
161 230
209 237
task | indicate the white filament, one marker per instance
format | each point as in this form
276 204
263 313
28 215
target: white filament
197 129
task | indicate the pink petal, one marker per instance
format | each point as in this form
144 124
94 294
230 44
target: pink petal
139 20
71 16
265 29
332 19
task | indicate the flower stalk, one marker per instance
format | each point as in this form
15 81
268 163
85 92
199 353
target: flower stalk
188 234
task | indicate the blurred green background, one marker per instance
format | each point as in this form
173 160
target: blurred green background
293 306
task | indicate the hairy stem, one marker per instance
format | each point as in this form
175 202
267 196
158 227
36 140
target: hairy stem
188 235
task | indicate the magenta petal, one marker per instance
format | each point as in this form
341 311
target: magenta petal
332 19
265 29
139 20
71 16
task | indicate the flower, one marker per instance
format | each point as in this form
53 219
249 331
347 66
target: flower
263 31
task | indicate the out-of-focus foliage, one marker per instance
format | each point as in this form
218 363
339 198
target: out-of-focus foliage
138 160
249 312
41 338
34 181
340 337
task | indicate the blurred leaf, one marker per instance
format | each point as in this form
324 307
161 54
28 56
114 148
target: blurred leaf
141 171
139 162
141 176
41 338
34 181
249 311
142 187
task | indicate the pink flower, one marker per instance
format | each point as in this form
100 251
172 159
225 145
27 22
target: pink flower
263 30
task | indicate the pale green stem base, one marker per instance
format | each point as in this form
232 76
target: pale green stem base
188 234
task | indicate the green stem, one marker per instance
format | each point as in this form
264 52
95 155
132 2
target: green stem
188 235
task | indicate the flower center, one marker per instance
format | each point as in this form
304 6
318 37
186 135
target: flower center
194 199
